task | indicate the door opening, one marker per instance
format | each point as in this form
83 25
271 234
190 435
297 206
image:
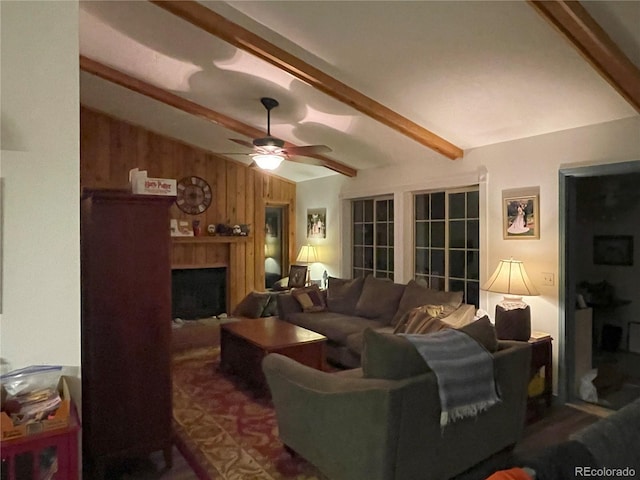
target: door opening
275 261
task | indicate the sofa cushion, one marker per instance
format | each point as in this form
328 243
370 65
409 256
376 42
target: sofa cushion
310 298
343 295
483 331
252 305
335 326
390 357
379 299
271 308
416 294
355 342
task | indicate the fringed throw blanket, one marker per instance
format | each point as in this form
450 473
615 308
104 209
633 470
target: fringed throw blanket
464 370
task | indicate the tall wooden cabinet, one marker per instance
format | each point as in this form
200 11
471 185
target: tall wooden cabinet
126 327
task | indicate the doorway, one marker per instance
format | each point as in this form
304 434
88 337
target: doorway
600 357
275 244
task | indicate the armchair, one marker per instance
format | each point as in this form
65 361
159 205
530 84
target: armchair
356 428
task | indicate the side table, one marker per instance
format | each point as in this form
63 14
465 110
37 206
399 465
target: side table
540 376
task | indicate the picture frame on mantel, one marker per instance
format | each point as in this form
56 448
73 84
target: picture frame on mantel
521 214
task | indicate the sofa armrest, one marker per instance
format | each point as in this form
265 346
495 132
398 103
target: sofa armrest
346 426
287 305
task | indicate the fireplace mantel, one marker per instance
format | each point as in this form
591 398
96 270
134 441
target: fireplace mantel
212 239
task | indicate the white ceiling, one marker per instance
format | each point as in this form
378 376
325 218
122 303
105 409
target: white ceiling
474 73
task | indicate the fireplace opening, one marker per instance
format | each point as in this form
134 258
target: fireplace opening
198 292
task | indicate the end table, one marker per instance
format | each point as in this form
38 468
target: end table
541 372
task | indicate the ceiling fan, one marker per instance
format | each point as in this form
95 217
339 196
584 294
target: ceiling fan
269 152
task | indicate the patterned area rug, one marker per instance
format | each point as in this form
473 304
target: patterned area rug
223 431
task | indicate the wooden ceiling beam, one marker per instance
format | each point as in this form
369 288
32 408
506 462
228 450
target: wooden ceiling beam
232 33
573 21
115 76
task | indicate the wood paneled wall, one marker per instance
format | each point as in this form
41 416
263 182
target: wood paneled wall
109 148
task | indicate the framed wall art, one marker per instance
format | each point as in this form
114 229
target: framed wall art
316 223
613 250
521 216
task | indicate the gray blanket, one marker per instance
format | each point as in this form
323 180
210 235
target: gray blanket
464 370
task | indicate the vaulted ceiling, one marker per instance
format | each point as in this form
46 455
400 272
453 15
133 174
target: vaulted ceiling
380 82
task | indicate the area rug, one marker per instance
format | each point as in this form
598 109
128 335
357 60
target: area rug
222 429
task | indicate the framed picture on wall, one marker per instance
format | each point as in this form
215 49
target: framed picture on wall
521 217
316 223
613 250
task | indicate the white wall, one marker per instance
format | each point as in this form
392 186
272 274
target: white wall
533 161
40 168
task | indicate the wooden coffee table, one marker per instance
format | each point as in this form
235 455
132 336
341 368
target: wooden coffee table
245 343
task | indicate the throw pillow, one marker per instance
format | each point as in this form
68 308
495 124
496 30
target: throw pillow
416 294
310 298
343 295
379 299
483 331
390 357
252 305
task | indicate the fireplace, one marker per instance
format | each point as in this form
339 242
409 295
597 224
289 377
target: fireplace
198 292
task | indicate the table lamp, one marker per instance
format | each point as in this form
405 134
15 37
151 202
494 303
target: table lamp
513 315
308 255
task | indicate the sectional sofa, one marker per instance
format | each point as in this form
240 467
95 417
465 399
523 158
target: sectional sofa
348 307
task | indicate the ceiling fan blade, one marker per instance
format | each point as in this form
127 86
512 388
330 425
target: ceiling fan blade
244 143
306 160
308 150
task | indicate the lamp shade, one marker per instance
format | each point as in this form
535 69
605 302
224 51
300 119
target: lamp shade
308 254
268 161
510 278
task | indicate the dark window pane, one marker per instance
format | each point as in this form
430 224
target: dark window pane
456 285
422 234
422 261
473 294
368 210
358 234
437 206
358 211
456 263
437 234
366 273
381 274
391 234
473 234
381 210
456 234
368 234
391 210
473 205
457 203
422 278
368 257
391 264
473 265
381 258
381 234
422 207
437 262
358 257
436 283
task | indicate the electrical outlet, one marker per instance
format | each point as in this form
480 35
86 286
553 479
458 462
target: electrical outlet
548 279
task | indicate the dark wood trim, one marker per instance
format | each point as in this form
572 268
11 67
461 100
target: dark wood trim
574 22
115 76
232 33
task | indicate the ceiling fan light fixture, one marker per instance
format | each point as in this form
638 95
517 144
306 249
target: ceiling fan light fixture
268 161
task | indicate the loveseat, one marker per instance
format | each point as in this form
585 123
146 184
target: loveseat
383 421
350 306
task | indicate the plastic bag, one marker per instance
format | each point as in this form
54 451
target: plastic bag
36 377
587 390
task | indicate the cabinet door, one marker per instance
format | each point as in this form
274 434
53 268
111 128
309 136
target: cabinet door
126 324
